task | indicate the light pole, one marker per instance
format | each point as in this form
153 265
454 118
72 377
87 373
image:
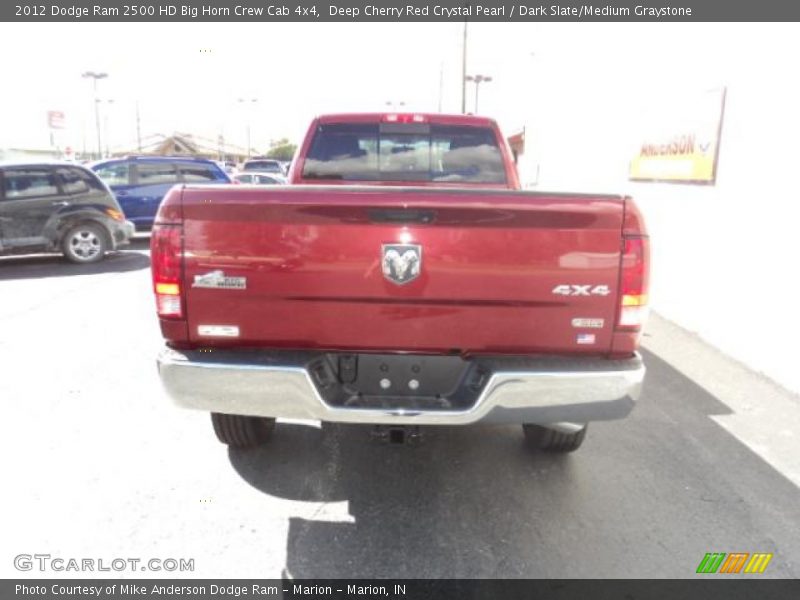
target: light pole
95 76
478 79
247 119
138 130
109 101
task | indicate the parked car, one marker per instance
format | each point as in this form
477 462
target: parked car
59 206
228 166
140 182
263 165
260 178
402 279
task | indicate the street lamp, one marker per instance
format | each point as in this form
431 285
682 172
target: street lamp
247 120
478 79
95 76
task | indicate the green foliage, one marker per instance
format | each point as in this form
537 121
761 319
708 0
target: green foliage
281 150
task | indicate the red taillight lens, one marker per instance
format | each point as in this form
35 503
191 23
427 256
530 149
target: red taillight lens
165 258
634 283
404 118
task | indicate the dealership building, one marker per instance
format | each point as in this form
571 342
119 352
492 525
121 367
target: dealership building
704 135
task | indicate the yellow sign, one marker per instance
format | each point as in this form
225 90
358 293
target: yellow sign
681 143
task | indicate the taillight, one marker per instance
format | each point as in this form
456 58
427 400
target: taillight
115 214
165 258
634 281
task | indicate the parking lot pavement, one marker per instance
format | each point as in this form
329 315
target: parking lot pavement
97 463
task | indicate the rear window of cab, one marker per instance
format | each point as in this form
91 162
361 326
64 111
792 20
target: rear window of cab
404 152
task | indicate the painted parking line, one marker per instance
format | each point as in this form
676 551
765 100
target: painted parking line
764 416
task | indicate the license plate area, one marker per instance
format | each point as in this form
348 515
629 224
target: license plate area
391 381
402 375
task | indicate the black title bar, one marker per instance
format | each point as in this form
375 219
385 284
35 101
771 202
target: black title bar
400 11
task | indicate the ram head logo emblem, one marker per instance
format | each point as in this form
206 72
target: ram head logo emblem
401 262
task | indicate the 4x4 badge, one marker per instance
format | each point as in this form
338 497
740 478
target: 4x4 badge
401 263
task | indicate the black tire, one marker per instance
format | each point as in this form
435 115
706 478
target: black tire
551 440
85 243
240 431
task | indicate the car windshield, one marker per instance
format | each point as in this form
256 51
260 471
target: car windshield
405 152
270 166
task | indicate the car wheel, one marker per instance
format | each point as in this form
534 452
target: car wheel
551 440
85 243
240 431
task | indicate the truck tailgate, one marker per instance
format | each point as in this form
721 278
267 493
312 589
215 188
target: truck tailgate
499 271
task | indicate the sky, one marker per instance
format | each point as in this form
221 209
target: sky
187 77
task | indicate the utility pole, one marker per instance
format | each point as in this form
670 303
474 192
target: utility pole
247 116
95 76
441 84
464 70
138 130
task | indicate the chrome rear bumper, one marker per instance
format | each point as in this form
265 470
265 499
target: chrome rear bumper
547 391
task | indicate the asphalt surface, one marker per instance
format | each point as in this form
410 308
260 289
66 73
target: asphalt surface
97 463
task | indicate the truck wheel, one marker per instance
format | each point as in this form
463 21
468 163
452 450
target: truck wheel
551 440
240 431
85 243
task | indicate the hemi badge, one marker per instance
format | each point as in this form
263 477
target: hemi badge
217 280
218 330
588 323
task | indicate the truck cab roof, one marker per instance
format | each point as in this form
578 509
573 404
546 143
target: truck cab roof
407 117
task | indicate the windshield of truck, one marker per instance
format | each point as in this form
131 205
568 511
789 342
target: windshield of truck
268 166
405 152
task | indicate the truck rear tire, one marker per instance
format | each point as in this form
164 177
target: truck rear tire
240 431
551 440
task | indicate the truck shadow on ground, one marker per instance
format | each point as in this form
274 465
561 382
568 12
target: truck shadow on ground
412 507
643 497
40 266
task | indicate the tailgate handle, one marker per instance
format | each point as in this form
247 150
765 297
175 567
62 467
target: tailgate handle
401 215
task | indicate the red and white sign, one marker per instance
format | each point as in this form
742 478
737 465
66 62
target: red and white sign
55 119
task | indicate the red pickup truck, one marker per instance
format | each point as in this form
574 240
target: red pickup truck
401 279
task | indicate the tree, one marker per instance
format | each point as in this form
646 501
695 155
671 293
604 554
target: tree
281 149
